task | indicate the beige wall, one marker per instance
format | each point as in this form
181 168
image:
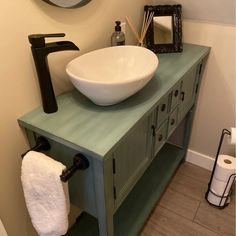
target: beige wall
89 27
216 104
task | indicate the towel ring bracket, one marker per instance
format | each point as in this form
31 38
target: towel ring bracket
80 162
42 144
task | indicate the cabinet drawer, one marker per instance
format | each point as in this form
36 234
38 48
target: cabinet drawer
175 96
172 122
188 89
160 137
162 110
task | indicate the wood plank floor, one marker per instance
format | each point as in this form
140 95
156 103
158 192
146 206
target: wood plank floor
183 210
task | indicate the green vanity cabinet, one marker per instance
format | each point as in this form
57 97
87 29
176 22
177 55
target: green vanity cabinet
133 147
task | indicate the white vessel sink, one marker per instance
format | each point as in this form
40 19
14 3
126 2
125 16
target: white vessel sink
109 75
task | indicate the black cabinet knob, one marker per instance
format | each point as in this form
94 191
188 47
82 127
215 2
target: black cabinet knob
172 121
160 137
176 93
153 131
163 107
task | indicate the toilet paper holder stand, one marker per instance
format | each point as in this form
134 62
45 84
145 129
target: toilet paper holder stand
233 176
80 162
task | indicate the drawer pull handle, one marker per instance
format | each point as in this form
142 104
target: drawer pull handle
196 88
163 107
176 92
182 96
172 122
160 137
153 131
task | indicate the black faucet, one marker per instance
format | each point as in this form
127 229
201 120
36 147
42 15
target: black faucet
40 50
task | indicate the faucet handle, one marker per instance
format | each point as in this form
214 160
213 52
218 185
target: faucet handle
38 40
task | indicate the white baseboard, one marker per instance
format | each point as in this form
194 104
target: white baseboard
200 159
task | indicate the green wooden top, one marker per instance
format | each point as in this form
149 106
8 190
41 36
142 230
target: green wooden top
95 130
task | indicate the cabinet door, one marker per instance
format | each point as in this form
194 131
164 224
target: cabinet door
187 90
131 158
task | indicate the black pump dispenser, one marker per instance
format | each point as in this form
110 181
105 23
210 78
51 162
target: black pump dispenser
118 27
118 37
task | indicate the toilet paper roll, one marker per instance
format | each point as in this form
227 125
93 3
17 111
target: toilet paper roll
232 137
218 186
225 167
215 200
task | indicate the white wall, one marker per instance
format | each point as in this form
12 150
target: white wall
216 105
212 23
89 27
209 10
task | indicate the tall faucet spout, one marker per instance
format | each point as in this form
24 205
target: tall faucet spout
40 51
59 46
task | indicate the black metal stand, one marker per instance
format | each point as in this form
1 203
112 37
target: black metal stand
233 176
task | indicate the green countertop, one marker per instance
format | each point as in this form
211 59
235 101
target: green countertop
95 130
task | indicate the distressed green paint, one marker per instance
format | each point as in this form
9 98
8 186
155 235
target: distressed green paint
132 214
96 130
121 198
131 158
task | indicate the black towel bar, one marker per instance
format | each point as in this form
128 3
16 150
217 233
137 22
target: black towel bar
42 144
80 162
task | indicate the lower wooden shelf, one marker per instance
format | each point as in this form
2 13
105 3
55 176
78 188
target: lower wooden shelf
134 211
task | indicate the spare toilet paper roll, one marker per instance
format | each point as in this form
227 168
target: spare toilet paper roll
225 167
232 137
218 186
215 200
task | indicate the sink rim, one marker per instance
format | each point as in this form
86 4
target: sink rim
115 82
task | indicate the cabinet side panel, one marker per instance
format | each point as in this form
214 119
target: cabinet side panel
81 185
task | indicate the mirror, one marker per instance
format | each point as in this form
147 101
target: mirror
164 34
67 3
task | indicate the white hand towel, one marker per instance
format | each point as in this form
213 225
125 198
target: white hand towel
46 197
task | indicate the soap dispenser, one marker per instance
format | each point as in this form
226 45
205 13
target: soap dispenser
118 37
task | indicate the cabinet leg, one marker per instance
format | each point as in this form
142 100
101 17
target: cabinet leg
188 128
105 226
104 196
